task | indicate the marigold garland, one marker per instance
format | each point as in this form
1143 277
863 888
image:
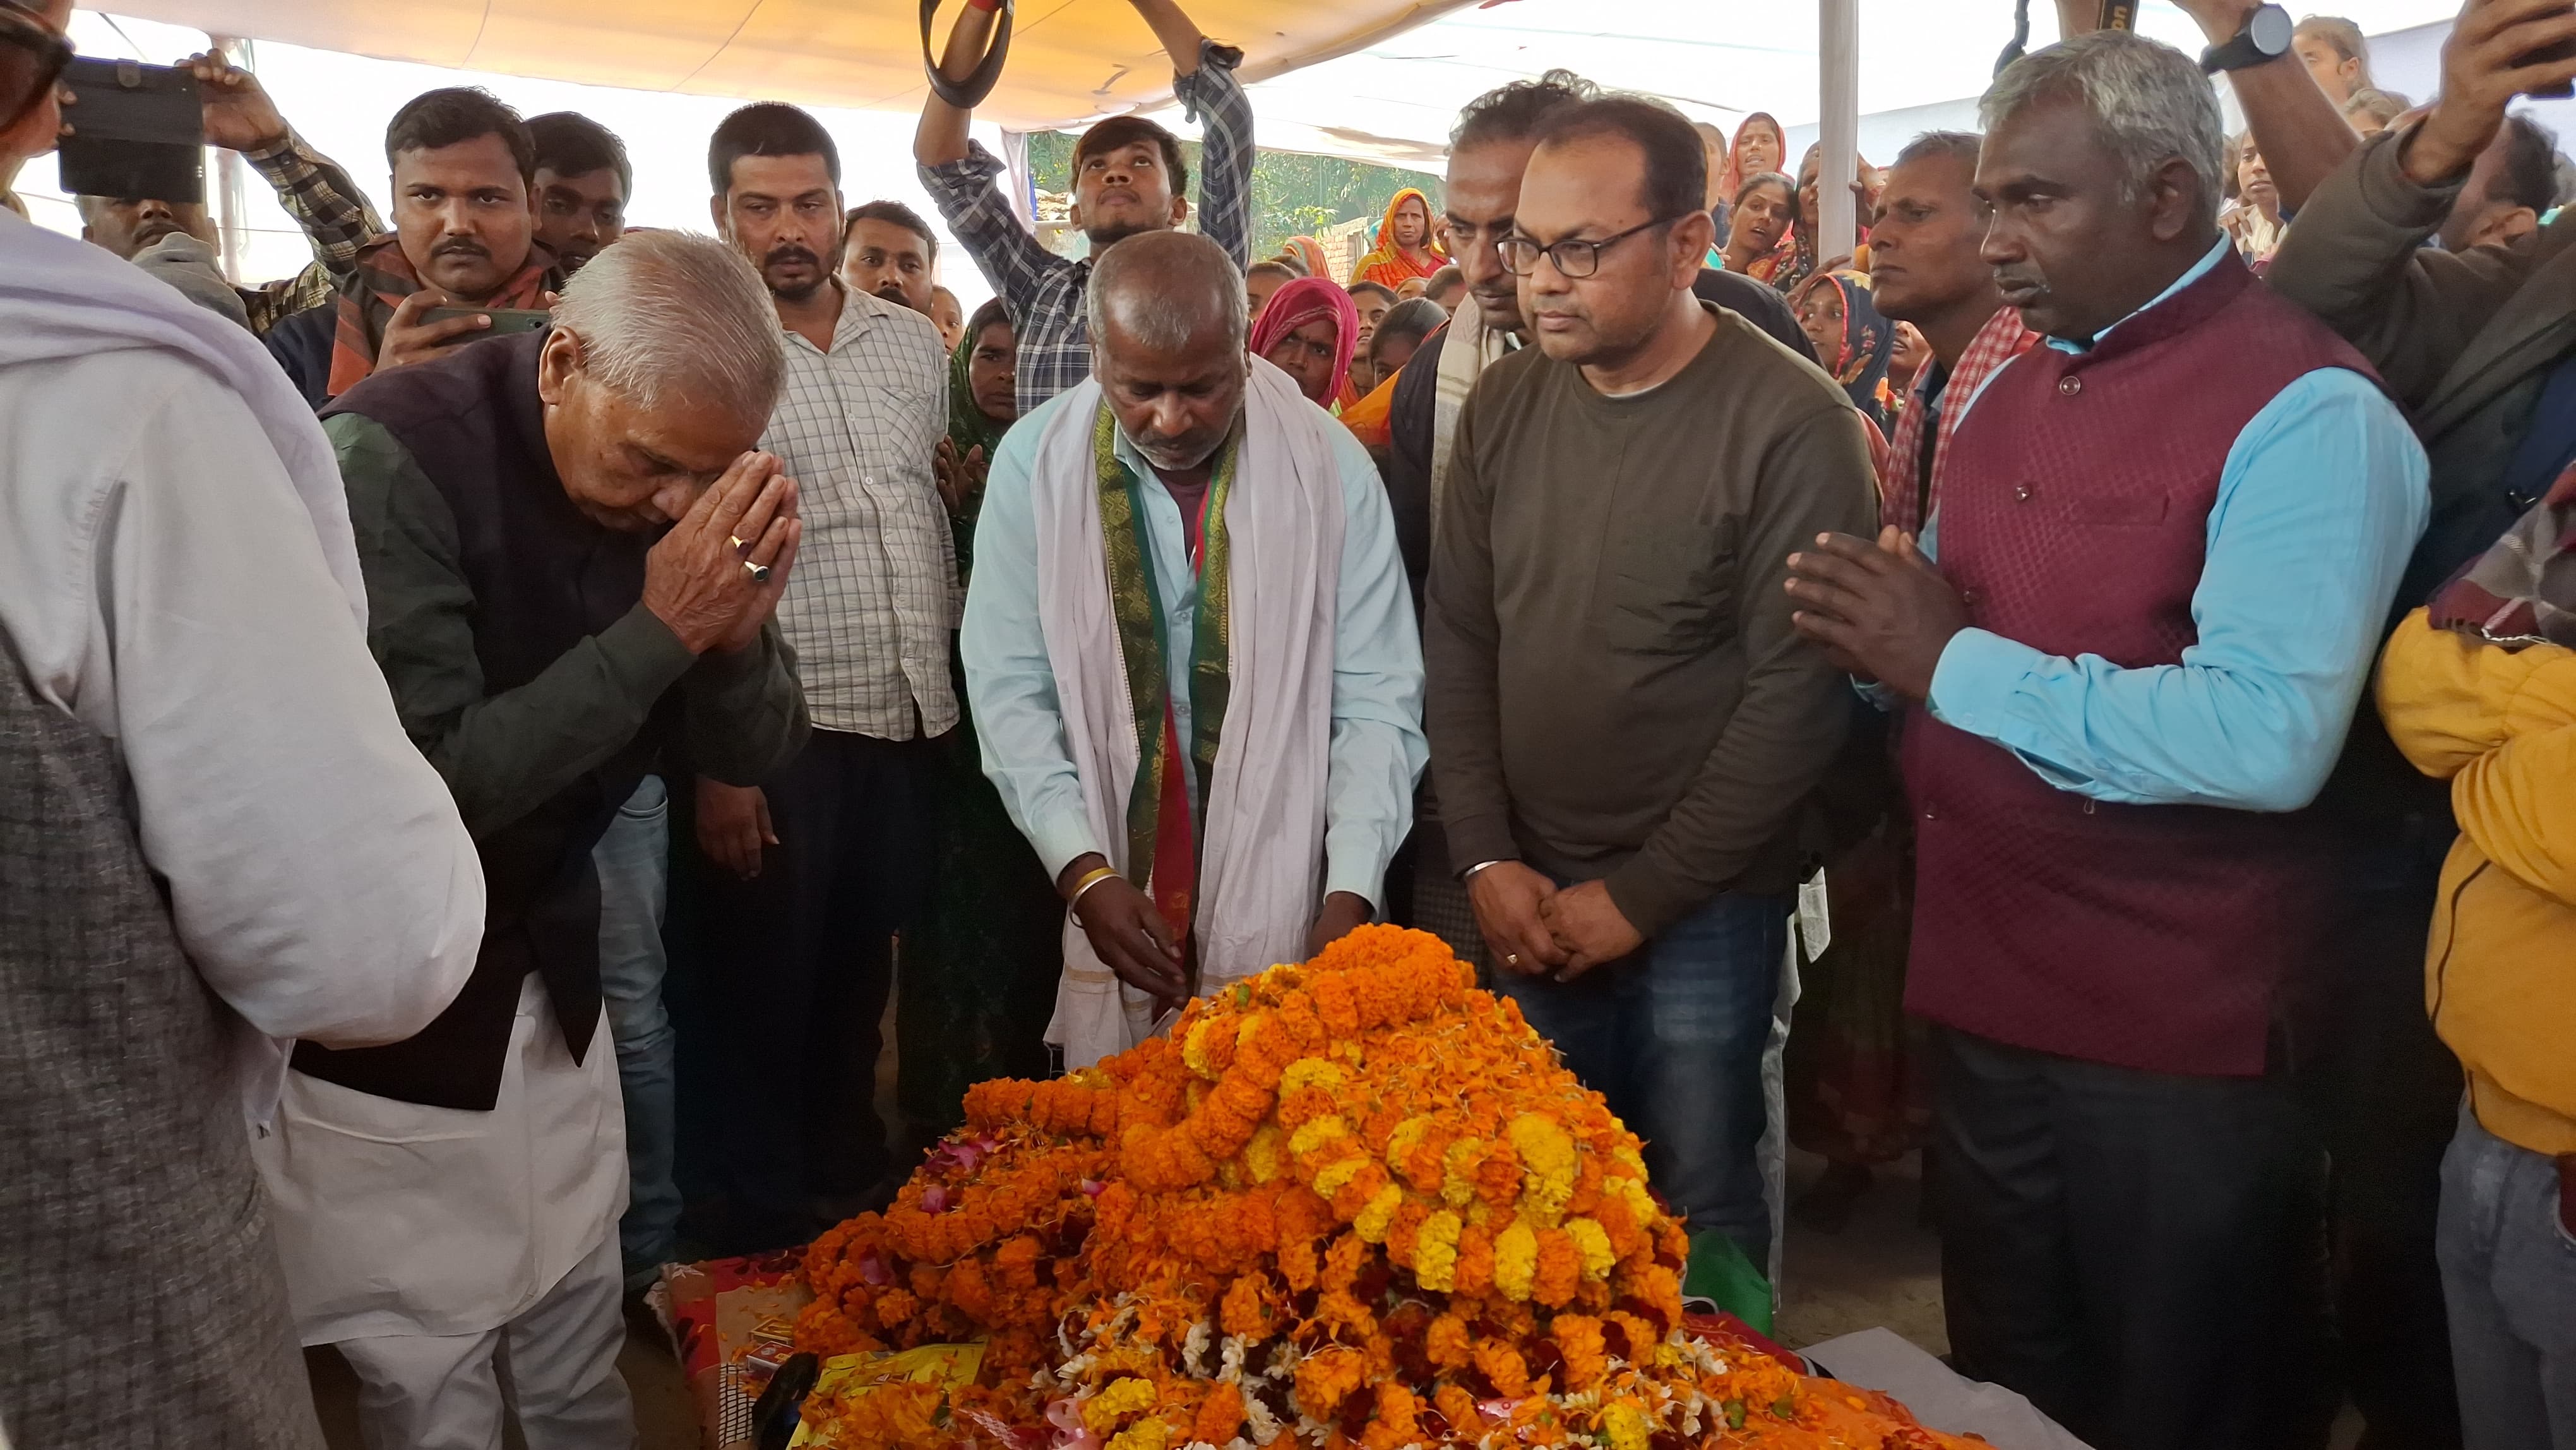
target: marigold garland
1352 1202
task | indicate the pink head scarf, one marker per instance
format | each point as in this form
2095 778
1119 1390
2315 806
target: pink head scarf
1303 301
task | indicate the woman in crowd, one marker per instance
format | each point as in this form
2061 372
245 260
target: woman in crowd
1853 340
1308 331
1761 217
1373 303
1309 256
2255 220
1399 335
1405 246
1262 281
1760 148
977 981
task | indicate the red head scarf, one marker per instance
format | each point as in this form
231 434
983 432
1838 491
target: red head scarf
1303 301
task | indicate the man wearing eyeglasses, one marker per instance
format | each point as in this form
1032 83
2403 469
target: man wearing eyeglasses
1624 728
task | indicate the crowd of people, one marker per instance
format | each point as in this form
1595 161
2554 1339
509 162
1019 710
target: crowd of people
2101 624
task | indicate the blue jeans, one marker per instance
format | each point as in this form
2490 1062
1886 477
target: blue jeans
633 860
2509 1277
1672 1035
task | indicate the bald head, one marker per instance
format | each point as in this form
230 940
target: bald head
1167 334
1165 290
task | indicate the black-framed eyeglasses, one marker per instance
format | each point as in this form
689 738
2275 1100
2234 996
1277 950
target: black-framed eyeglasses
1575 259
24 29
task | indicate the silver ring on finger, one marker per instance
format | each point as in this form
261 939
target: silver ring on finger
1511 959
759 572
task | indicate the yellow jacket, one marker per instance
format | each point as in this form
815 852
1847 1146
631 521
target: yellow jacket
2500 971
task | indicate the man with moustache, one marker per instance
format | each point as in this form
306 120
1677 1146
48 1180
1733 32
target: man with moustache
1189 523
1128 177
887 249
464 236
822 864
581 186
1626 732
1489 148
1926 268
2130 671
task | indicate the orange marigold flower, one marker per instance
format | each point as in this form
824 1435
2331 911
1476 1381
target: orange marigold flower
1326 1378
1458 1408
1475 1270
1397 1422
895 1306
1560 1268
1578 1339
1219 1416
1502 1365
1446 1343
1245 1311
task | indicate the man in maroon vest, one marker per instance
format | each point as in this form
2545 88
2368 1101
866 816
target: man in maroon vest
2166 539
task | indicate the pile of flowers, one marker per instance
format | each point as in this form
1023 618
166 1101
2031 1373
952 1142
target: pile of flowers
1348 1203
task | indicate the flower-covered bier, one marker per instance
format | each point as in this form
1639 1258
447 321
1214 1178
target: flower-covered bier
1354 1202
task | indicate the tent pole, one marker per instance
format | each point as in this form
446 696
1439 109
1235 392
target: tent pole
1838 130
231 200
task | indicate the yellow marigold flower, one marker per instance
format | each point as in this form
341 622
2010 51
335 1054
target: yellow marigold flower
1626 1426
1546 1149
1458 1171
1628 1158
1194 1053
1147 1435
1309 1072
1593 1242
1547 1167
1266 1157
1408 1135
1435 1252
1316 1134
1372 1221
1515 1260
1124 1397
1632 1191
1330 1181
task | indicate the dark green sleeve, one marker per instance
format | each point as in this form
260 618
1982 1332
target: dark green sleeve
746 713
500 754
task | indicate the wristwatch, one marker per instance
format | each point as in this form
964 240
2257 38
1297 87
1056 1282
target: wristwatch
2264 38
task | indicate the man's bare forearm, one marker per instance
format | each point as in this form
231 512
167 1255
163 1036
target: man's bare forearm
941 137
2299 130
1179 34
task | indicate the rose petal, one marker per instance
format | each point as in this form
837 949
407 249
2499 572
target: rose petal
934 1199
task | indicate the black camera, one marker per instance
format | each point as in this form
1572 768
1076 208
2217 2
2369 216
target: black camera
138 132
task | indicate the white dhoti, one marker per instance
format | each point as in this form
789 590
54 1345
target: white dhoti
1261 851
442 1248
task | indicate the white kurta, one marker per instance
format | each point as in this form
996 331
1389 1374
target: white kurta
395 1218
176 571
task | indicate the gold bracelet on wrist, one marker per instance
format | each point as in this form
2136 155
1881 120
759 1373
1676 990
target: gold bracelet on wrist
1089 879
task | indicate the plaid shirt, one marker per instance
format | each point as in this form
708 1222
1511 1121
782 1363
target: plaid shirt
336 217
874 594
1045 291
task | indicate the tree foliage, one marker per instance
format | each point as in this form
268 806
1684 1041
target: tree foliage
1292 194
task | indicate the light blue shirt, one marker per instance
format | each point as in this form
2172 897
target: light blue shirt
2320 503
1377 749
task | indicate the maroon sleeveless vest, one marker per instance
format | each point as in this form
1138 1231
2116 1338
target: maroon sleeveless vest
2074 520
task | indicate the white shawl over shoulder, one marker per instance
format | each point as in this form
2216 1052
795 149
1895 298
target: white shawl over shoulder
1261 857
